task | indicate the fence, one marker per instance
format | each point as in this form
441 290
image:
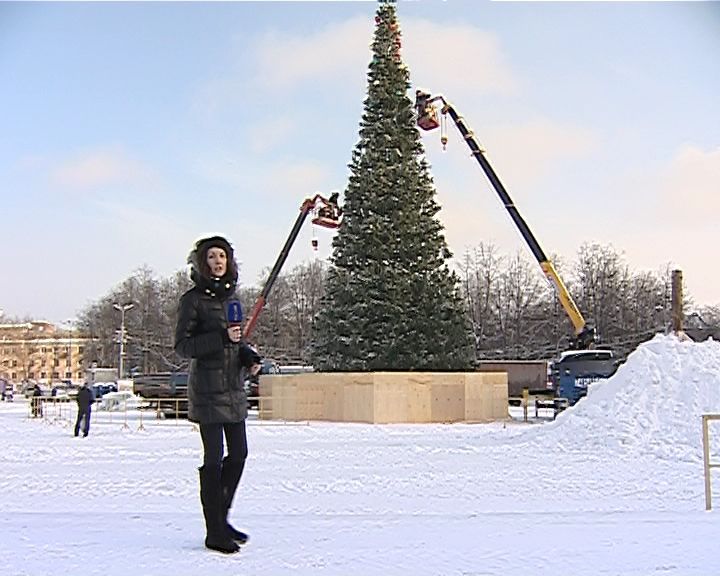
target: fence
128 414
542 401
706 457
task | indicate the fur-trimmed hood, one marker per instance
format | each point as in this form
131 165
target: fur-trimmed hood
200 273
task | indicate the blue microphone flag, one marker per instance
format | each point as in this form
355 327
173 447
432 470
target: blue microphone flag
234 312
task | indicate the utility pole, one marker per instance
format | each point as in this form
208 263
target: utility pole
123 308
677 301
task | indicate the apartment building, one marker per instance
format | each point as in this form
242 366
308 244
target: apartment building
42 352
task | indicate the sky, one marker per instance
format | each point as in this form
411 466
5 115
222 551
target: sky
613 487
130 130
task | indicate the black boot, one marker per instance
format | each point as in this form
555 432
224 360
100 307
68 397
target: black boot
216 537
229 479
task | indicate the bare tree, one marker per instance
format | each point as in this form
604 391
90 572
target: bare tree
514 312
517 300
626 307
284 326
149 325
600 274
479 272
306 288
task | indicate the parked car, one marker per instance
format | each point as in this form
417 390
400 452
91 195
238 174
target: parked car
252 384
101 389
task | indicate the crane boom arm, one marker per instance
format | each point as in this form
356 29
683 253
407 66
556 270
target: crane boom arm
331 221
584 335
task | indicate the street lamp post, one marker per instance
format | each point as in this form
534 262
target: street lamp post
68 359
123 308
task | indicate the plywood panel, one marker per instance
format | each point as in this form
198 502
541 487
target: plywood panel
483 392
265 408
285 398
419 397
358 397
499 398
310 401
334 396
390 397
448 397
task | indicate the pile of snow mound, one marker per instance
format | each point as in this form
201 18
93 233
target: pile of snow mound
121 401
652 405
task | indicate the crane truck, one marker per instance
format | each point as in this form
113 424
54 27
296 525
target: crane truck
574 369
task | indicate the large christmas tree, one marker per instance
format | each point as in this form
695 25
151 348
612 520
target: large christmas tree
391 301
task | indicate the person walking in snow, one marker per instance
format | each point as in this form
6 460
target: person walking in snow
85 399
219 363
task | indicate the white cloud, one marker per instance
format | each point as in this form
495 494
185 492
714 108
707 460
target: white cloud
690 187
669 217
524 157
443 54
338 51
528 151
441 57
458 59
100 168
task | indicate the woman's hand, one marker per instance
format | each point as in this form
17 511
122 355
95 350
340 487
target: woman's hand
255 368
235 333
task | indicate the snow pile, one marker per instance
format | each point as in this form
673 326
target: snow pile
121 401
652 405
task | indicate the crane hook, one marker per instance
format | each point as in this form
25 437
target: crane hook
314 239
443 130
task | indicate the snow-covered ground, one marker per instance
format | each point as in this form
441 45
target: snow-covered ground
613 487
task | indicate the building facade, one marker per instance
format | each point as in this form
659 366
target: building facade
42 352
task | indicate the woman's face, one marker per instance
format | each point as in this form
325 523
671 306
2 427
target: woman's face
217 261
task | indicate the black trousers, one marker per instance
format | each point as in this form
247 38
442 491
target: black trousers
212 439
83 414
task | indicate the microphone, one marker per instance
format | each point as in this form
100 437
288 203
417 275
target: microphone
234 313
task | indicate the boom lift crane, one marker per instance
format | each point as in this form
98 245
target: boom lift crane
326 213
427 119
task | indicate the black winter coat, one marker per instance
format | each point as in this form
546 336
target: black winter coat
216 382
85 398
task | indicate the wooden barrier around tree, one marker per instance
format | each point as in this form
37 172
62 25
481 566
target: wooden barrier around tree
385 397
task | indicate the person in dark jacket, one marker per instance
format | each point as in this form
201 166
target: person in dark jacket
85 399
37 410
219 362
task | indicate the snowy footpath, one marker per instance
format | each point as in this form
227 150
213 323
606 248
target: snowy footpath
613 487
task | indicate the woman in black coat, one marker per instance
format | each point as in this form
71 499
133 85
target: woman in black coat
219 363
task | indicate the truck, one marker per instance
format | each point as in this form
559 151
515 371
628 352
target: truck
575 370
572 373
